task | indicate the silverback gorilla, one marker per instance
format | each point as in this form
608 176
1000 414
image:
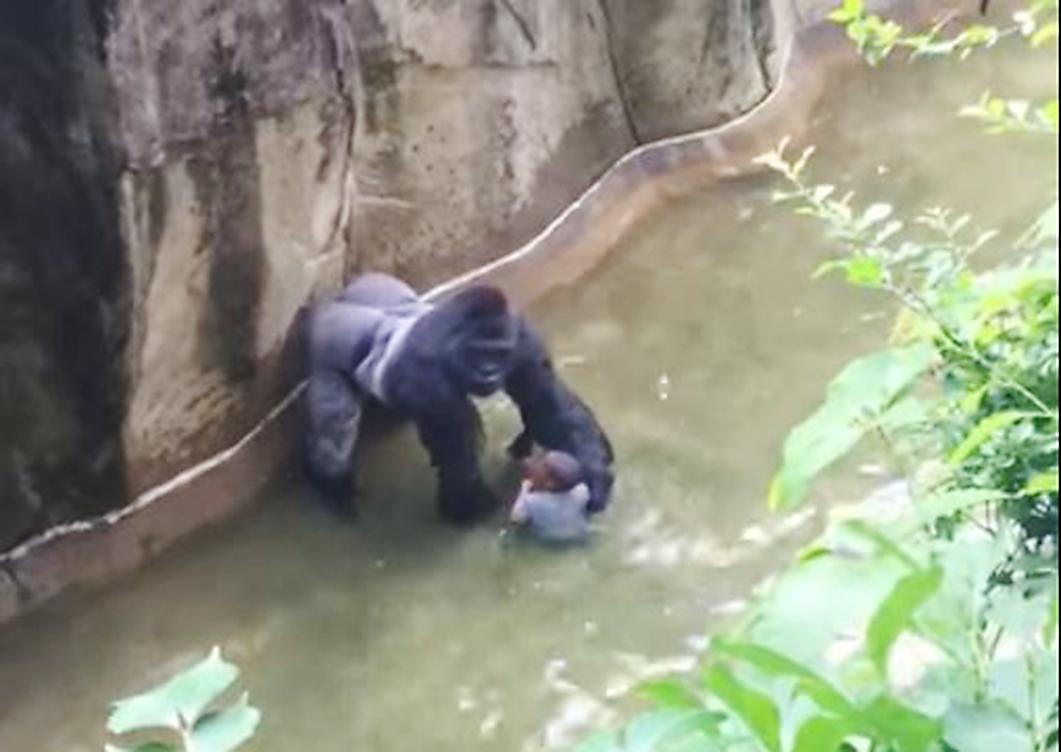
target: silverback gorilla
423 361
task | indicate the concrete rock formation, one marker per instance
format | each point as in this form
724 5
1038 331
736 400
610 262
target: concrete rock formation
180 177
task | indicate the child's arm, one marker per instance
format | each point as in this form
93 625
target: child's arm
521 509
580 496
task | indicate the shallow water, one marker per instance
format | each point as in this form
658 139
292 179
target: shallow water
699 343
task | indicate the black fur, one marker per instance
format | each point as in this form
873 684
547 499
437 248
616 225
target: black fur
554 417
464 346
468 345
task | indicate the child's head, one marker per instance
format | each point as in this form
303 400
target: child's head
553 471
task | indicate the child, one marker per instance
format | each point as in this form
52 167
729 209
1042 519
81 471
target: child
553 498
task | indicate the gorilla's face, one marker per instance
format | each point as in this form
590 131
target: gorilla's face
484 363
481 340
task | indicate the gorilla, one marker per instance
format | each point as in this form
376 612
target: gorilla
378 339
554 417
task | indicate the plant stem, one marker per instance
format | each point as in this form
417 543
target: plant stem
916 303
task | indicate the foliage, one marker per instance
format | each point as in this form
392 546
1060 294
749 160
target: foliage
921 657
877 38
990 411
184 712
947 638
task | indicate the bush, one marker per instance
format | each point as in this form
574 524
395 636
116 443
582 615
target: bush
938 629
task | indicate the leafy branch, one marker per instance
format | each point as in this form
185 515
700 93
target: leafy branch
188 708
877 38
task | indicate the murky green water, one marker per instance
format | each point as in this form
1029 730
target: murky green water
699 343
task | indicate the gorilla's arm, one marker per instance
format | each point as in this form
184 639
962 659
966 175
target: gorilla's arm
452 434
462 347
555 417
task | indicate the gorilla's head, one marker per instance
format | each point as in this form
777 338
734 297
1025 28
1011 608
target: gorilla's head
479 337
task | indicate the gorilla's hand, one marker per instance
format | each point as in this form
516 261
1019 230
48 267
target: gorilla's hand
600 480
465 501
555 417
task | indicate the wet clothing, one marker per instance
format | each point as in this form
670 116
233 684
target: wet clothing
554 516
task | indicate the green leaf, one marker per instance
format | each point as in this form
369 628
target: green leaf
148 747
822 734
887 232
1046 33
822 192
651 732
801 164
861 271
874 214
671 694
811 448
1025 19
605 741
904 414
983 431
971 402
1050 627
755 709
1049 113
946 503
848 11
984 728
863 390
1018 108
770 662
1021 612
897 612
1043 483
978 34
227 730
904 729
1011 680
864 271
182 698
885 544
829 267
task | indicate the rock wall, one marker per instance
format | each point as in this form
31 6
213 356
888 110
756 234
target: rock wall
208 166
64 282
685 65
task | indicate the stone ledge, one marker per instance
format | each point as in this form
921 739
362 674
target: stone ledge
97 551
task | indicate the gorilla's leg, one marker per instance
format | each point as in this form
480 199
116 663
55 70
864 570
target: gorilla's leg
334 419
379 291
451 437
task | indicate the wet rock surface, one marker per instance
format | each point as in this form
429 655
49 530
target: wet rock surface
64 304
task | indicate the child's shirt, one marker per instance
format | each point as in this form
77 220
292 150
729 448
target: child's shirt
554 516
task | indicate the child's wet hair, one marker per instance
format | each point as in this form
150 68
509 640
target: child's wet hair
565 470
